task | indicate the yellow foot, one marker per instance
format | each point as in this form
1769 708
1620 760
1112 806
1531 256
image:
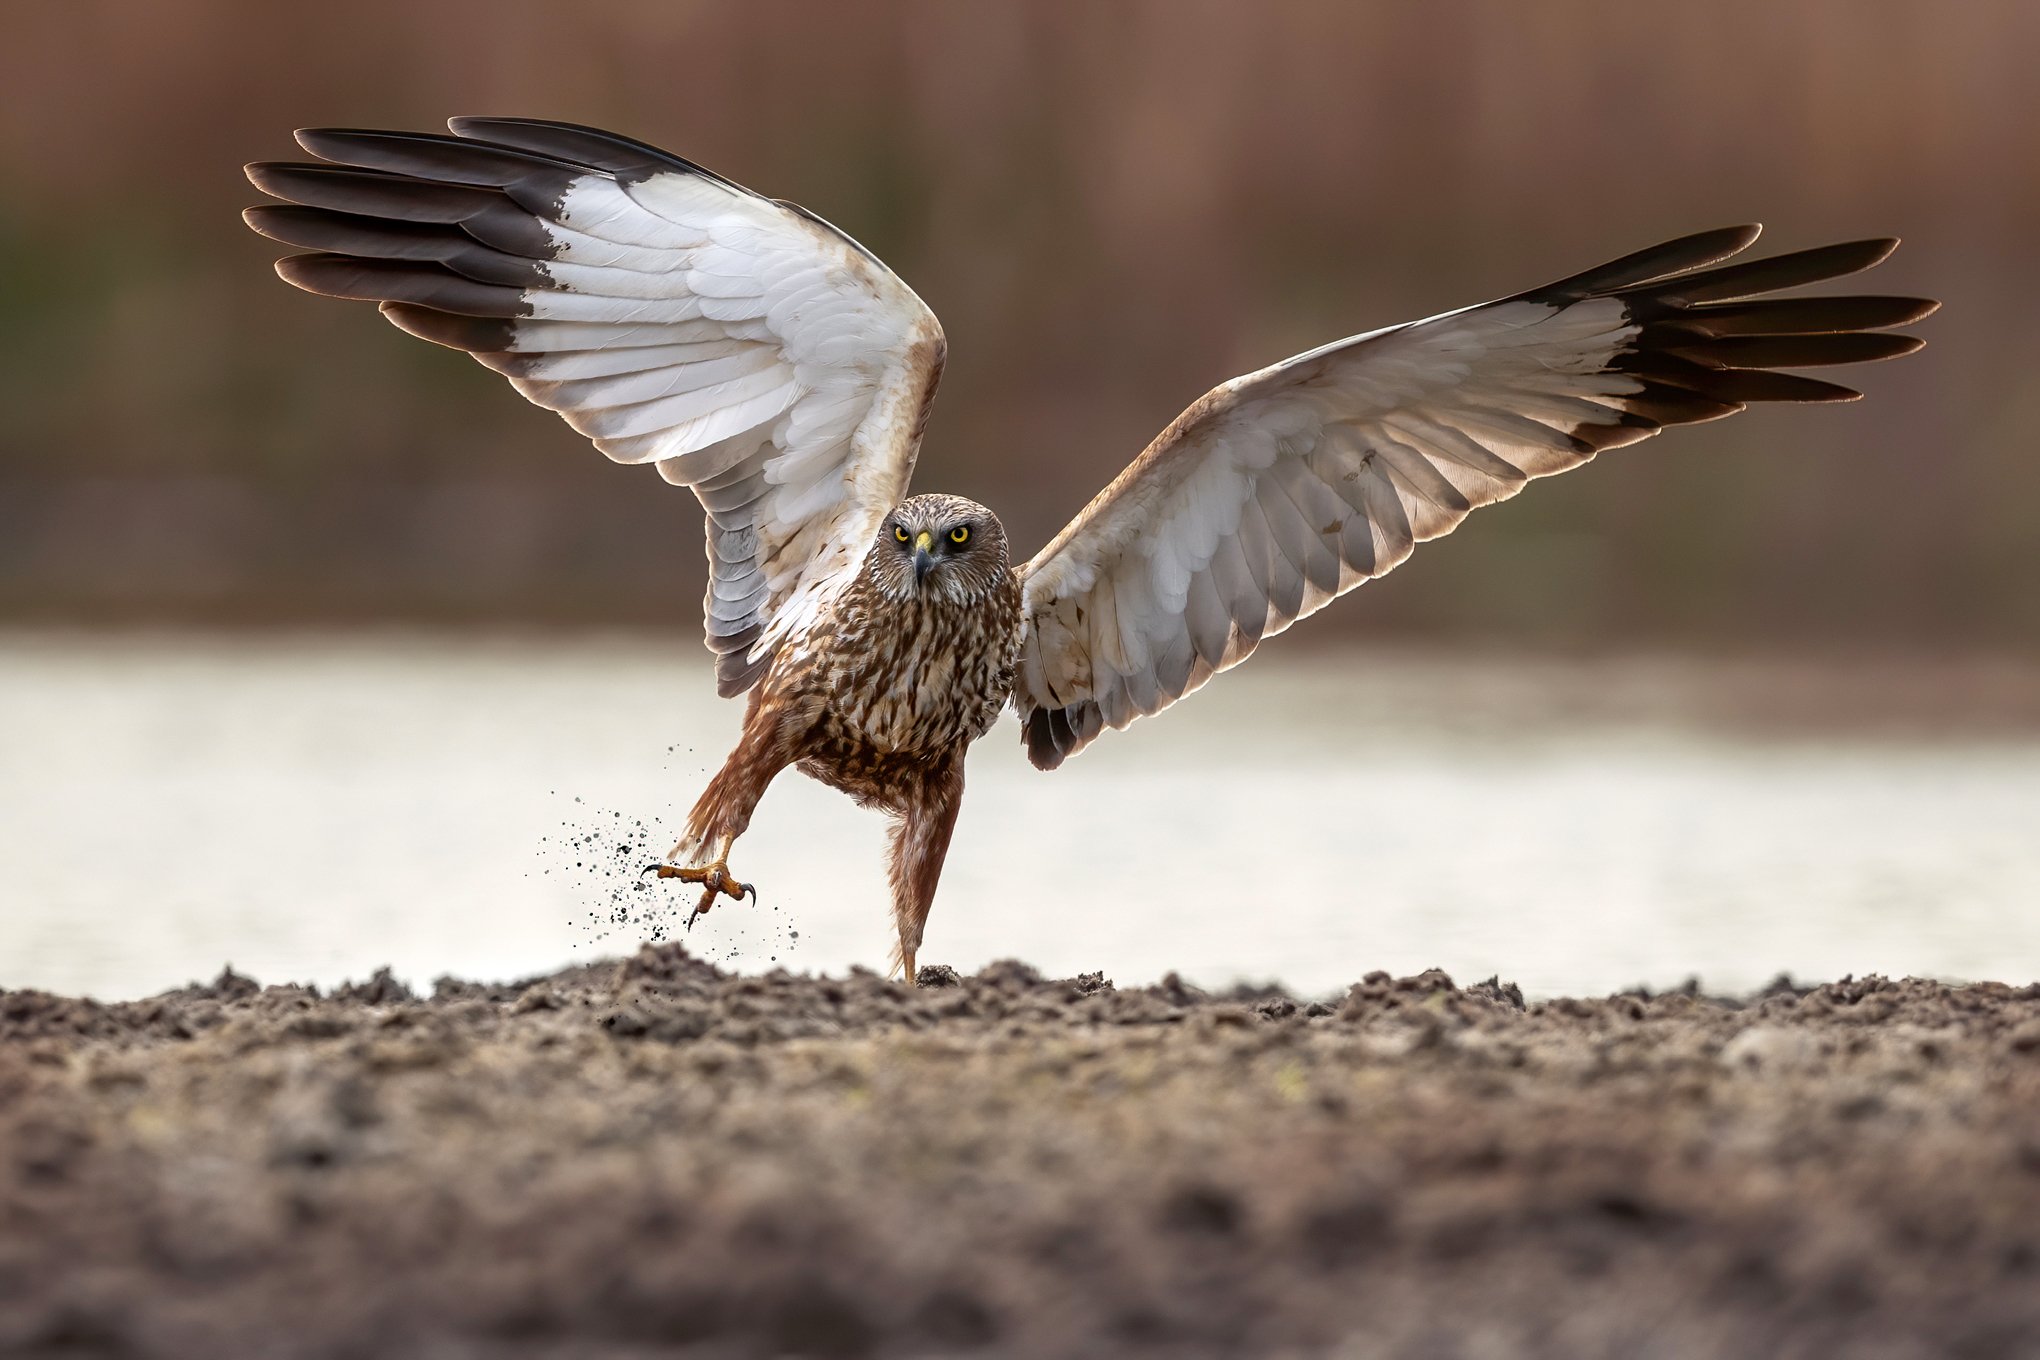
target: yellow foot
714 878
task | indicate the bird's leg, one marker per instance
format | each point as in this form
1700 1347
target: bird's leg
722 813
920 842
714 877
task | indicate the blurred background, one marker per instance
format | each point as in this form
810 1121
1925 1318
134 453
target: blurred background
1112 206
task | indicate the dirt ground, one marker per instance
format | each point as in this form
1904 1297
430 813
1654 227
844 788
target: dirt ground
651 1158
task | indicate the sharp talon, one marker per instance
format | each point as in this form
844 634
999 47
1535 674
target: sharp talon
714 879
651 869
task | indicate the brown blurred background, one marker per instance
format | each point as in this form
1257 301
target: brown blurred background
1112 206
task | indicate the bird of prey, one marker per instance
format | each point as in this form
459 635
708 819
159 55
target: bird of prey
760 357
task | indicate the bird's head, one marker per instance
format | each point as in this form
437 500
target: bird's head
944 546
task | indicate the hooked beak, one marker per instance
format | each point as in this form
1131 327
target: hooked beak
924 556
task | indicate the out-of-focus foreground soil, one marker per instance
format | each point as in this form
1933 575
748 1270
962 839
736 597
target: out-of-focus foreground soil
649 1156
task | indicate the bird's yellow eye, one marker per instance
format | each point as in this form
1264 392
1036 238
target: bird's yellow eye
899 533
959 534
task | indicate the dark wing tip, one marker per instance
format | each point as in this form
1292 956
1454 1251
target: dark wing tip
1710 342
270 176
1676 256
1771 274
1849 257
1794 387
321 141
480 336
334 275
1793 316
343 145
611 152
423 284
1044 751
313 138
1813 350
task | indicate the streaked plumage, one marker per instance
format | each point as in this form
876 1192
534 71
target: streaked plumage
766 361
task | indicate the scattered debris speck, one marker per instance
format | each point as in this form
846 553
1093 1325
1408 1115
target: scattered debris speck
604 853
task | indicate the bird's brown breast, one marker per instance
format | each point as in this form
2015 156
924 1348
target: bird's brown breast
888 677
910 676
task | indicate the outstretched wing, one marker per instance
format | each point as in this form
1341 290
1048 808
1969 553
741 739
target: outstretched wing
745 346
1282 489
